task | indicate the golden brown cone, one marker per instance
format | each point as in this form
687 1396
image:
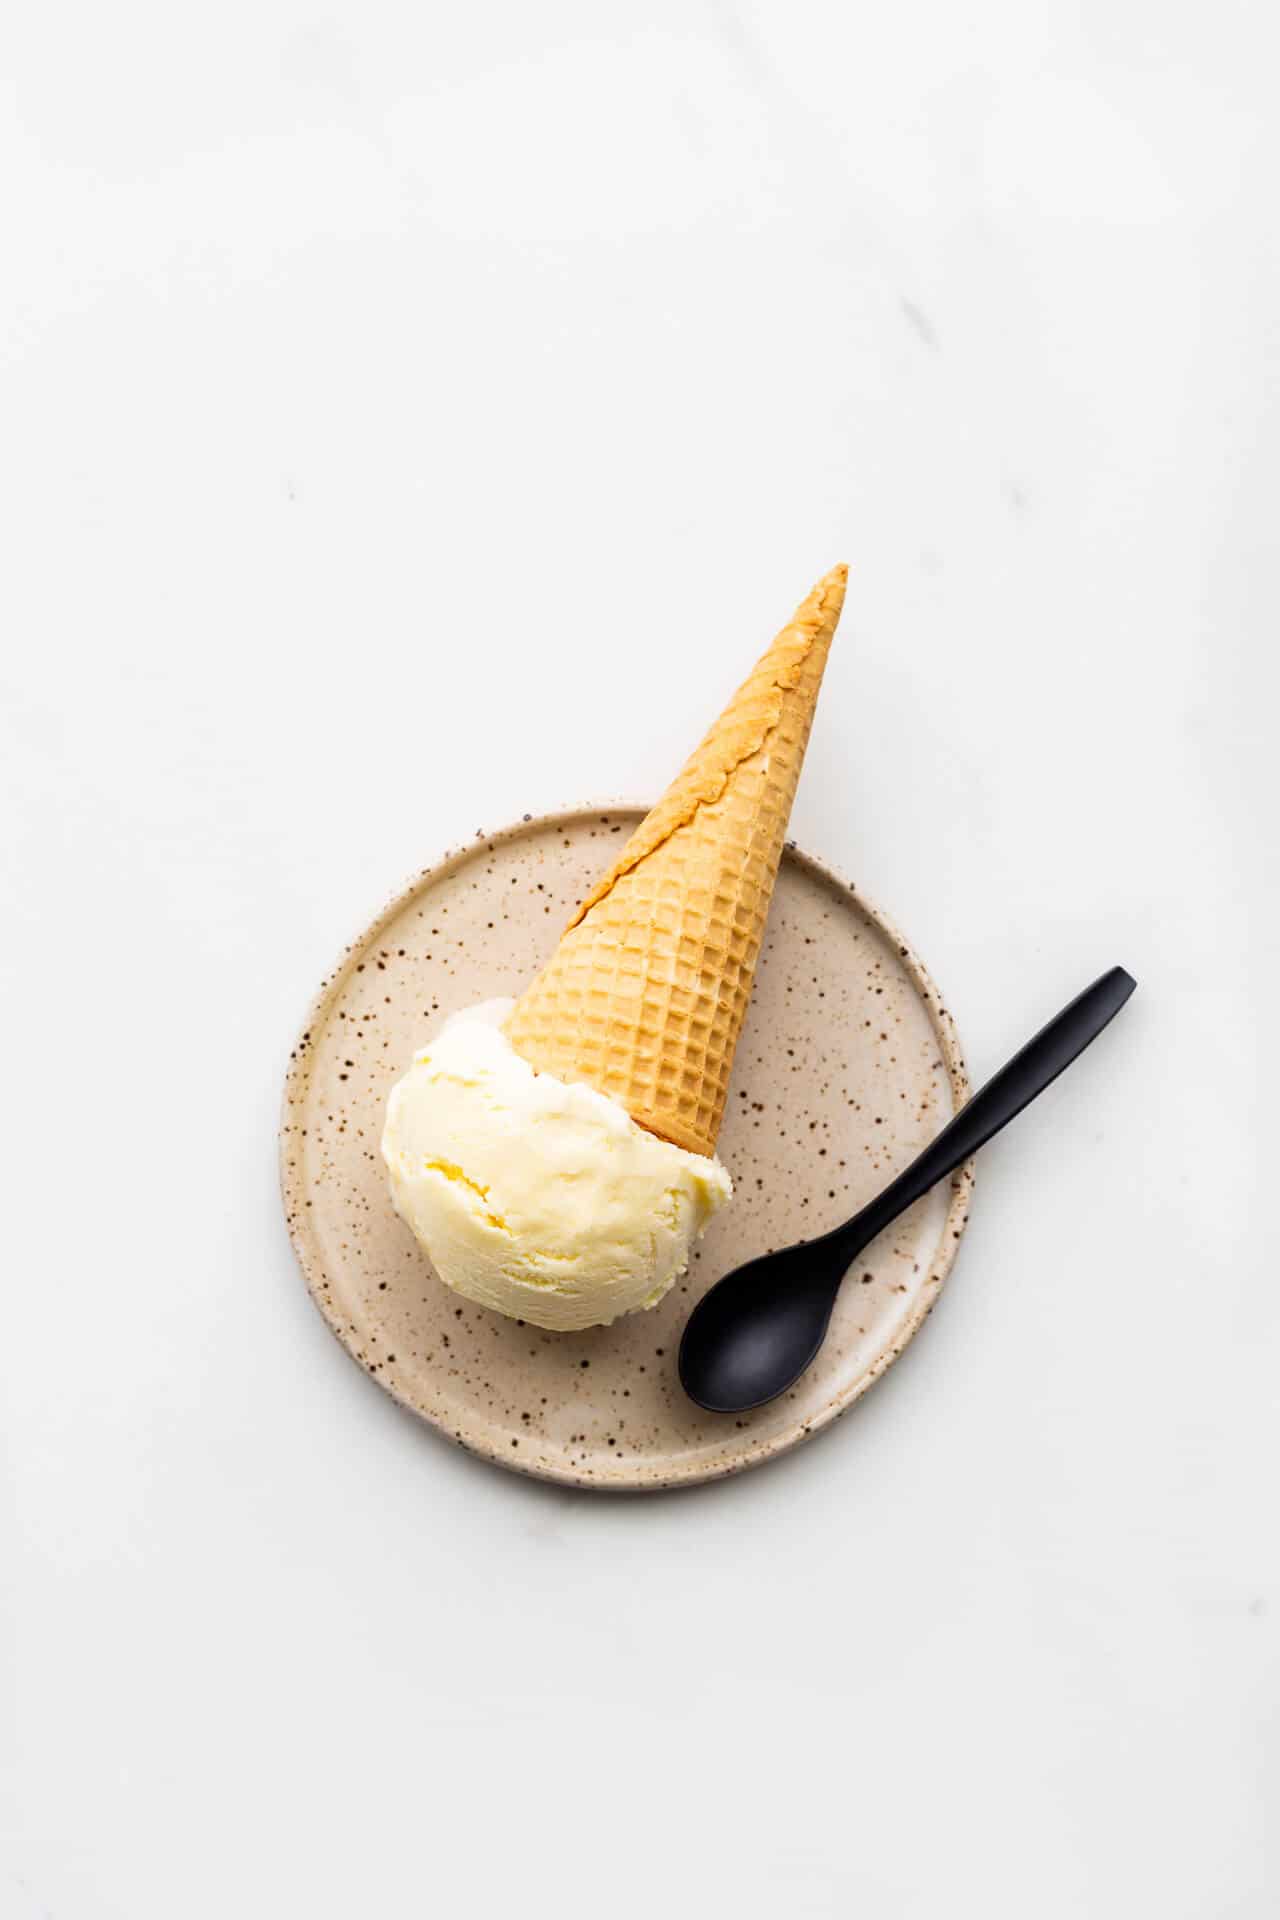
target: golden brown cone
645 996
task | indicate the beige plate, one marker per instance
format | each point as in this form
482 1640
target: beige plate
847 1066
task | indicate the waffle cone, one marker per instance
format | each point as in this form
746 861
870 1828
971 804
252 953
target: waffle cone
645 996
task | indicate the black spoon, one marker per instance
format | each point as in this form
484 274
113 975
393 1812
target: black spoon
758 1329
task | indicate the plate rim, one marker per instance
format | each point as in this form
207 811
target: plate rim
804 1427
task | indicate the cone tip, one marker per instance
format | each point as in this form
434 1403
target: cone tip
826 599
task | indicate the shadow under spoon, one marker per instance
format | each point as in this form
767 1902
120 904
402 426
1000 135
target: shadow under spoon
755 1332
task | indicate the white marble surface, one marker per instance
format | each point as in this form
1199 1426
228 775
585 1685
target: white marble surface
377 384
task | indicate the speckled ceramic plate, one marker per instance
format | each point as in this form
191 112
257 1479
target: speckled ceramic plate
847 1066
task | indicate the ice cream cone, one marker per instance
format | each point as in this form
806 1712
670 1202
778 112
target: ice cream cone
645 996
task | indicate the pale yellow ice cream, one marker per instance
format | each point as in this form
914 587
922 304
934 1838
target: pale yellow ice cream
544 1201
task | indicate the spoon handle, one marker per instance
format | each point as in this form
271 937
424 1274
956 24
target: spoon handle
1004 1096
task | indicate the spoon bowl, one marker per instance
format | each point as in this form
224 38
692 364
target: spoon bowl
779 1304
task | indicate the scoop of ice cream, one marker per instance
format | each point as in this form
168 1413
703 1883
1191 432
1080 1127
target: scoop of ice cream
542 1200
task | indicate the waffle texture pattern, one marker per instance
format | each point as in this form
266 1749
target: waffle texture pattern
645 996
